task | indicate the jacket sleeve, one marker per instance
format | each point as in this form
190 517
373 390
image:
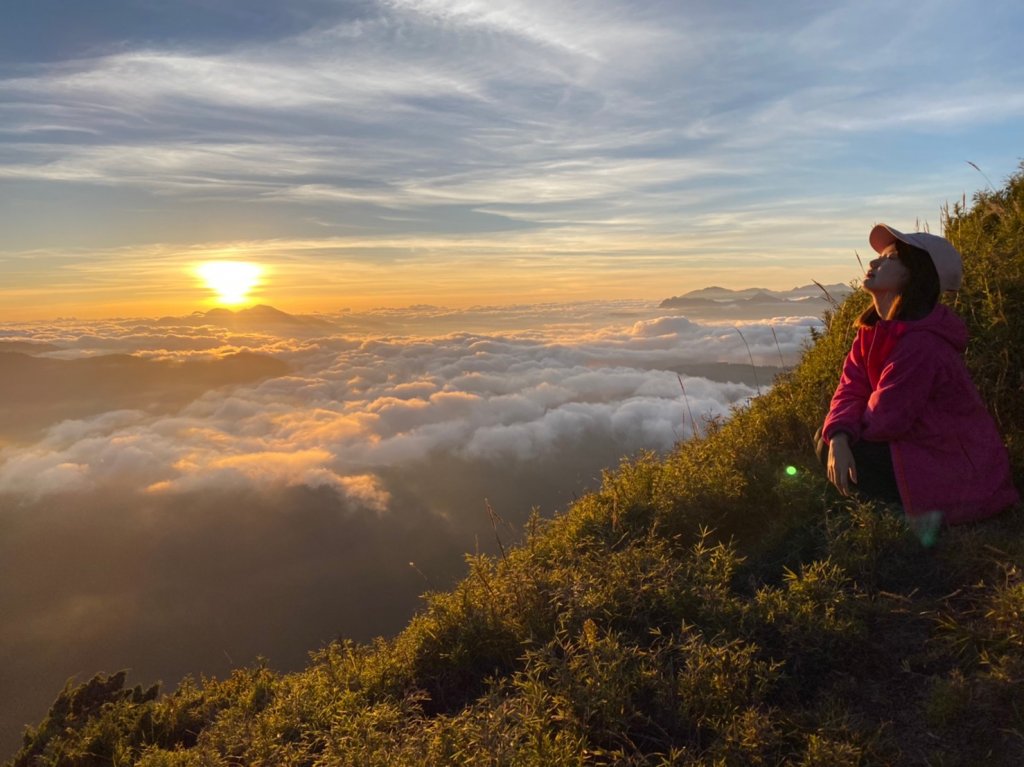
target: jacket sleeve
903 391
851 397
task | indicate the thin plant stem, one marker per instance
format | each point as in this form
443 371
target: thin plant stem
753 367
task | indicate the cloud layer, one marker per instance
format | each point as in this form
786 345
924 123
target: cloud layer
350 406
268 517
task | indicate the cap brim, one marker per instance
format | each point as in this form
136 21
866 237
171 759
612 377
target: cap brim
883 236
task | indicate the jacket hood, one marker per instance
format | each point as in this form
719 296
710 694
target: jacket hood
942 322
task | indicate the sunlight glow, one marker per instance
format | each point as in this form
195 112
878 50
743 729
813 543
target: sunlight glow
230 280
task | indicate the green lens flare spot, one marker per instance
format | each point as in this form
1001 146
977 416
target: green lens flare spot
791 471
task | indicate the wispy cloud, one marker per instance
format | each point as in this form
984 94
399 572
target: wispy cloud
448 129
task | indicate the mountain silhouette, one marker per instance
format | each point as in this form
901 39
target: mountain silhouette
36 392
259 317
26 347
715 303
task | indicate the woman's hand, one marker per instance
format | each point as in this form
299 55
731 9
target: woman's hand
842 469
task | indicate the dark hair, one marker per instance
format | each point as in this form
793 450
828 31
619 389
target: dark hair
919 295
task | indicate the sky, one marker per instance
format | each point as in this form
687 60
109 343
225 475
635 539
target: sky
388 153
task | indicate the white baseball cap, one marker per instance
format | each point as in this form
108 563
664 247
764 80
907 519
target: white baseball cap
948 263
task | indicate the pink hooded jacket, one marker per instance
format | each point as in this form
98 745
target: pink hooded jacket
905 383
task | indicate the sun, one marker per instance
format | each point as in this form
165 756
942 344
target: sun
230 280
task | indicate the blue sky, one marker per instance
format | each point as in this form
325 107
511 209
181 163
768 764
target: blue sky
458 152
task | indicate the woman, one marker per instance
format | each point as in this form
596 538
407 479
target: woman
906 424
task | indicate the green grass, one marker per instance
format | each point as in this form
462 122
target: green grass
700 608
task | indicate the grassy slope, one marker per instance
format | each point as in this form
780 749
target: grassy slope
702 608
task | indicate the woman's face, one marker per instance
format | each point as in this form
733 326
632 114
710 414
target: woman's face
886 274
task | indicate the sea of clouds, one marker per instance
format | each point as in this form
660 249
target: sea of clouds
270 517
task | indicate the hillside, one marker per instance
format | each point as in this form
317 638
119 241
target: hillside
701 608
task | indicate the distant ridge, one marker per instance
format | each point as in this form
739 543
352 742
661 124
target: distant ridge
254 317
26 347
36 391
757 300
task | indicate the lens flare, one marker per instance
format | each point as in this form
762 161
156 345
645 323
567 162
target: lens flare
230 280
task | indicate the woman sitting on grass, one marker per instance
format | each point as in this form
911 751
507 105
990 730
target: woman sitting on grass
906 424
